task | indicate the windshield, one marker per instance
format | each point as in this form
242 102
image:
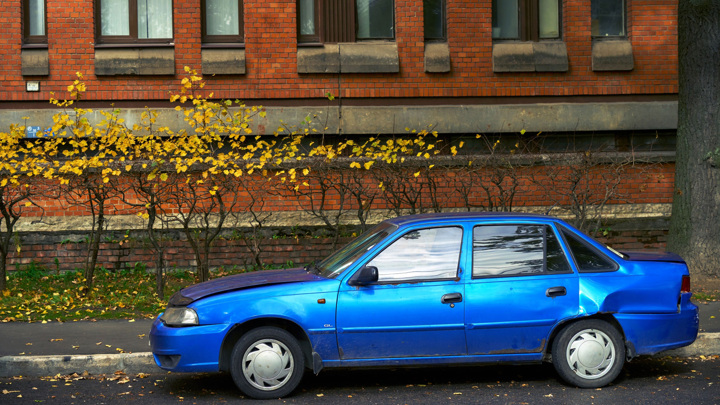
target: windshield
334 264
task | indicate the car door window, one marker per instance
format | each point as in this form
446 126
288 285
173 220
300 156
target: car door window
512 250
425 254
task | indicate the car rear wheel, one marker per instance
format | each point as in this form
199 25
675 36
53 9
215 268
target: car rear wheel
589 354
267 363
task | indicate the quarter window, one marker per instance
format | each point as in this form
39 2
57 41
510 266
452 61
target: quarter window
608 18
222 21
34 27
427 254
512 250
345 20
135 21
526 20
587 258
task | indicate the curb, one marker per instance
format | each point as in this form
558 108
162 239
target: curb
41 366
134 363
706 344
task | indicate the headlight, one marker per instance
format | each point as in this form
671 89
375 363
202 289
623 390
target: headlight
179 316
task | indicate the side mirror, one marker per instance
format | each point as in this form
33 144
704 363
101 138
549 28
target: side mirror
366 275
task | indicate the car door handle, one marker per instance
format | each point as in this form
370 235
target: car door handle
555 291
451 298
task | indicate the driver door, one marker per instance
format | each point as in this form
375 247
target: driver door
415 309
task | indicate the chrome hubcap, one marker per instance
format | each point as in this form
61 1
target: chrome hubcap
590 354
268 364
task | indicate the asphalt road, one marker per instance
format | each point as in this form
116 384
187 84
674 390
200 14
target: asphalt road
647 380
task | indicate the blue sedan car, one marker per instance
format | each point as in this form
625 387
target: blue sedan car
435 289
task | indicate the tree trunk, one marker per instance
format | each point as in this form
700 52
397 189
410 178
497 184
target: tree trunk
3 270
94 244
695 222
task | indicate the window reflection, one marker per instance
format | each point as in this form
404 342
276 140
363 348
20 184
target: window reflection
427 254
503 250
607 18
586 258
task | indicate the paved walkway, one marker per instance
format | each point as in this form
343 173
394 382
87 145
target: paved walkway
36 349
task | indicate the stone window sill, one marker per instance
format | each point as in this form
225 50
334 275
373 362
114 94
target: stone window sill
360 57
612 55
228 61
35 62
141 61
437 57
546 56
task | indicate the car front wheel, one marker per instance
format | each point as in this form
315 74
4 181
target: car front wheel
589 354
267 363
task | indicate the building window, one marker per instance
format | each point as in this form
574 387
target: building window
222 21
434 19
34 28
526 20
332 21
134 21
608 18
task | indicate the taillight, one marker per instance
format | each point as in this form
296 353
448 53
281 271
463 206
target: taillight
685 286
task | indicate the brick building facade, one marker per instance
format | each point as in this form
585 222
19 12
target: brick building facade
569 68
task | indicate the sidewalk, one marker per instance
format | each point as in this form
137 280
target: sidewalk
103 347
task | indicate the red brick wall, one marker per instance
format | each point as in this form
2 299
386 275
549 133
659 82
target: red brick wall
270 32
225 253
230 253
642 184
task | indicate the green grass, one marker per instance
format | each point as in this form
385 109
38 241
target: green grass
706 295
39 295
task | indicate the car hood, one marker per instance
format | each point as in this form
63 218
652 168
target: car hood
238 282
653 257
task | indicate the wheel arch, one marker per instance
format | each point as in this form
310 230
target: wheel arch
237 331
603 316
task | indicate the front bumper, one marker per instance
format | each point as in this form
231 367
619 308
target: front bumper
187 349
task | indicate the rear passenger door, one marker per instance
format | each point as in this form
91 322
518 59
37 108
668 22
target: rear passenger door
522 285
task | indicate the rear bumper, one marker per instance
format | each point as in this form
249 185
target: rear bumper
654 333
187 349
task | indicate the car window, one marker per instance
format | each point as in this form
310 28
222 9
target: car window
587 258
337 262
511 250
426 254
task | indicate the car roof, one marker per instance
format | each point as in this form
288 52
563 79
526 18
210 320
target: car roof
466 216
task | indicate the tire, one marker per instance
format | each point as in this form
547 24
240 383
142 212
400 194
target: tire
589 354
267 363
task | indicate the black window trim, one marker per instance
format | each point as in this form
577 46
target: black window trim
458 273
566 231
309 39
132 39
348 34
223 40
529 22
33 41
545 272
613 37
443 18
